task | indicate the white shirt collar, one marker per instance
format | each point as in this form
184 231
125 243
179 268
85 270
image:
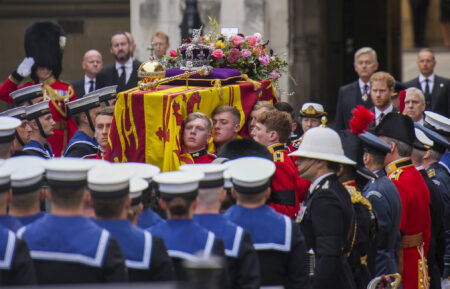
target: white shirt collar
386 111
317 181
420 121
87 79
362 83
128 64
430 79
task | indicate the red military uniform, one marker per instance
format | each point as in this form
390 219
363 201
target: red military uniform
203 157
293 146
415 222
65 127
288 189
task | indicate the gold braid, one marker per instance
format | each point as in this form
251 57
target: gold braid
59 101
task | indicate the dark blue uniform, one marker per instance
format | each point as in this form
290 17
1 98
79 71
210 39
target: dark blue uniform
73 249
148 218
34 148
16 266
10 222
81 146
386 205
243 264
329 227
279 243
440 175
30 219
184 239
145 255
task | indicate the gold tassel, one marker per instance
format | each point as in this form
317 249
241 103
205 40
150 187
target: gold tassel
218 86
256 85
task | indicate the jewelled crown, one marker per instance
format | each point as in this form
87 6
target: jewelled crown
195 54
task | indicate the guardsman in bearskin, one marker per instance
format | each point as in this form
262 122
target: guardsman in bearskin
242 260
145 255
185 239
44 44
415 224
83 143
278 241
272 129
42 127
327 216
196 135
66 246
365 219
435 256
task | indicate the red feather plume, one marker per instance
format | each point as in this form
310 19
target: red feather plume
361 119
401 98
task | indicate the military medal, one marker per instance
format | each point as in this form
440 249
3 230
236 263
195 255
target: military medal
365 97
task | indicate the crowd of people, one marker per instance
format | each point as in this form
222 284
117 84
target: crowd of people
295 204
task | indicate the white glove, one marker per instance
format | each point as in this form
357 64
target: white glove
24 68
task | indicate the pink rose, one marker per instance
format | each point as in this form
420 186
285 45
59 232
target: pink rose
234 55
173 53
252 41
237 40
246 53
274 75
217 53
264 59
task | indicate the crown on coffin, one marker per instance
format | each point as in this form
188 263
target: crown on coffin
195 54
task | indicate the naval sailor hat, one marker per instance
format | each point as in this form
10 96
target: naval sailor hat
373 144
38 109
137 187
251 175
422 142
109 181
107 93
27 93
83 104
19 112
178 184
27 173
213 174
440 144
312 110
438 122
142 170
8 127
68 172
5 177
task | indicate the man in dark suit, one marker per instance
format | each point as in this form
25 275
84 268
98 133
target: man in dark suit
435 88
123 72
92 64
381 89
357 92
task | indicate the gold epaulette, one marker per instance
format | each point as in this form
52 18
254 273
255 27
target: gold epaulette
278 156
13 80
212 155
356 197
431 173
296 143
395 175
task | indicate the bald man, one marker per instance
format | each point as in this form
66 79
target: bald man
92 64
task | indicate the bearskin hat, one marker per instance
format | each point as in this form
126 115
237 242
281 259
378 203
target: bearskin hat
45 41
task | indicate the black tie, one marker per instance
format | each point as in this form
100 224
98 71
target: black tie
366 89
380 117
91 86
427 93
122 78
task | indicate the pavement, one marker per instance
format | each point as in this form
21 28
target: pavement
409 63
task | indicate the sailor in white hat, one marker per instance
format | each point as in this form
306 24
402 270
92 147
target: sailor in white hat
66 246
243 263
27 181
328 234
148 217
113 191
83 143
278 241
16 265
8 127
23 131
6 220
42 124
184 238
28 95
